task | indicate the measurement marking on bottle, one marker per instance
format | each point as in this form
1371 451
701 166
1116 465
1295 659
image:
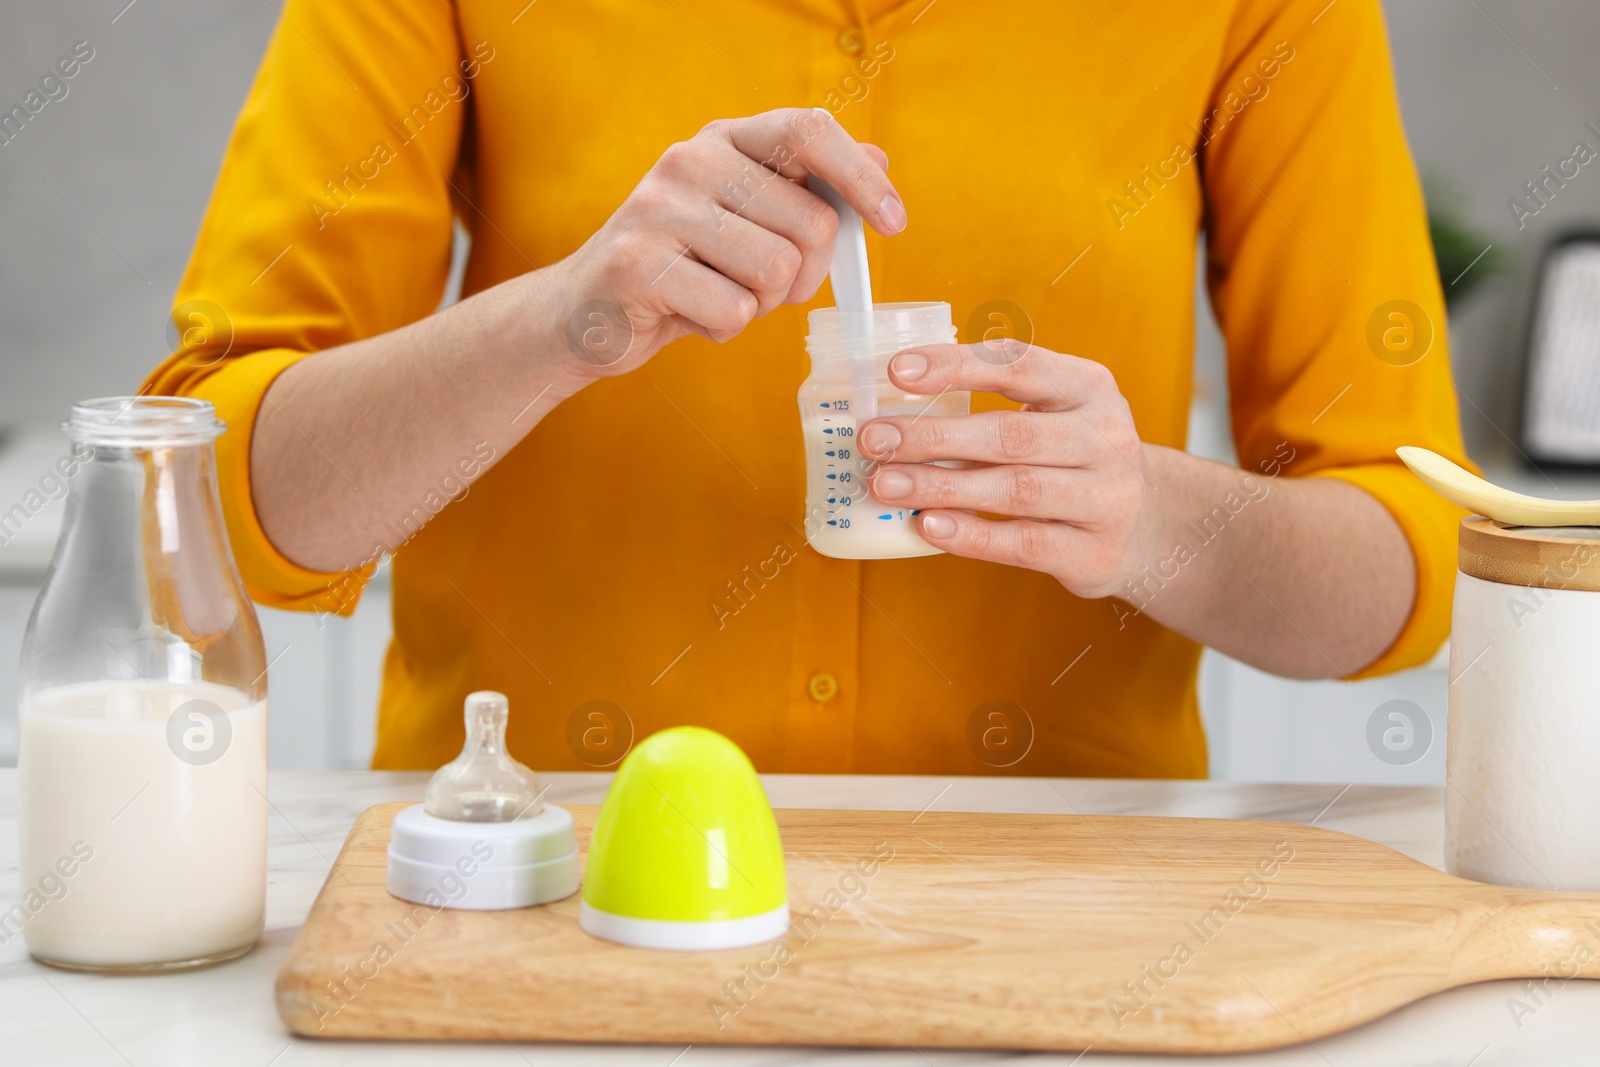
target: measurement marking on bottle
842 466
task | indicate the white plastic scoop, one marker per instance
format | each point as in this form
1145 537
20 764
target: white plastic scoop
1462 487
852 295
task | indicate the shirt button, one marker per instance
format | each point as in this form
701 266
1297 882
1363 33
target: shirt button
822 686
851 40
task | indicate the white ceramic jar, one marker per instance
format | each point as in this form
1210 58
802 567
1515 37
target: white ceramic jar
1522 770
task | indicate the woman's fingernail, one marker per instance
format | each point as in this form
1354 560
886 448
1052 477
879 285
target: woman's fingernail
909 366
880 437
892 212
891 484
938 525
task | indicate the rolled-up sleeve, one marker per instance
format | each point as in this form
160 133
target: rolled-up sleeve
330 222
1323 281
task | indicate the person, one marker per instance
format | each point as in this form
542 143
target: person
618 543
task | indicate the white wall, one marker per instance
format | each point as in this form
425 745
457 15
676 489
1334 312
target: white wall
323 684
88 272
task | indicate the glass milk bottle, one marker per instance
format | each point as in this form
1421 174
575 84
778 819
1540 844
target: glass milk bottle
842 519
142 760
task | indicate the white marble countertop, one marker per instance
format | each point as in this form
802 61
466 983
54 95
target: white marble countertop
225 1015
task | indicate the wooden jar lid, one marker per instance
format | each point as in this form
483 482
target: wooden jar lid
1564 557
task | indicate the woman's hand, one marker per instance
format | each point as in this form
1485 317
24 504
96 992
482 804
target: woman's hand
1233 559
1069 466
716 234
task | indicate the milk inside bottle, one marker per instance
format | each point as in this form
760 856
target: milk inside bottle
157 859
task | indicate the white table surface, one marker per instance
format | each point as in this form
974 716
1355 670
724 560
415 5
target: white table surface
225 1015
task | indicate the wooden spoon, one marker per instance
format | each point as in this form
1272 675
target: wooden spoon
1462 487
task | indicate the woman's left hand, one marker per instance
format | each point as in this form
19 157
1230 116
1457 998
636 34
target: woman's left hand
1069 466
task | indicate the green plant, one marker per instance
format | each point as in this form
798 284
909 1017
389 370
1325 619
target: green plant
1465 257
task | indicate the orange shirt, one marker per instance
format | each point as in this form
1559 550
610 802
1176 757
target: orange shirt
641 546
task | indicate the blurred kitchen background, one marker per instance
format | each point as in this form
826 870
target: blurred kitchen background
101 194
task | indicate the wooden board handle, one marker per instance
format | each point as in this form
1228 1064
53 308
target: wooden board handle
1531 932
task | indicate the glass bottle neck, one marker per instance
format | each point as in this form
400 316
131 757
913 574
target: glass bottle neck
143 423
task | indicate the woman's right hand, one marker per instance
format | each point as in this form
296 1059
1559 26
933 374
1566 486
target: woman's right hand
717 234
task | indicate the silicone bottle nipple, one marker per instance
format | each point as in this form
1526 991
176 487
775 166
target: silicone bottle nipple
483 839
484 784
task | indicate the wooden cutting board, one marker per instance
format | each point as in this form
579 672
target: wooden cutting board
951 930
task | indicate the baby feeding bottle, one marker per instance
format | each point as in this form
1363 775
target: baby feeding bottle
850 353
483 839
142 766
